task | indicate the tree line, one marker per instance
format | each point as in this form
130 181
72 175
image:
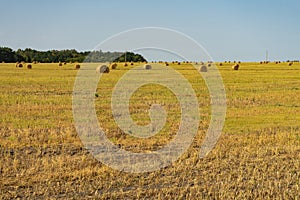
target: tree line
69 55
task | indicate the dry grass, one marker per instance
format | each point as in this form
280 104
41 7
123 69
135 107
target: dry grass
257 156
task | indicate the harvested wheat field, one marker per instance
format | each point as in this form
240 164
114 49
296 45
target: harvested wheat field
256 157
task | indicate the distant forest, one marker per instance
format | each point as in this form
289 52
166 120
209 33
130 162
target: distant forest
70 55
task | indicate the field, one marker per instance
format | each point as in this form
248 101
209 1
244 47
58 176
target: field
257 155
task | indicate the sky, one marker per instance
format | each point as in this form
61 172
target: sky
228 30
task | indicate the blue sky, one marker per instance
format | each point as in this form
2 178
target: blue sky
228 30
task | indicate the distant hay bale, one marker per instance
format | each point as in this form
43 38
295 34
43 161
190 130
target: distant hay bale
276 62
113 66
236 67
131 63
34 62
239 62
125 64
60 64
166 63
29 66
290 64
178 63
20 65
17 63
203 68
234 61
225 62
260 62
102 69
65 63
147 66
221 64
209 65
77 66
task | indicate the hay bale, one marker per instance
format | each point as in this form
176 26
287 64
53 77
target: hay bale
236 67
102 69
60 64
203 68
221 64
239 62
291 63
113 66
147 66
166 63
125 64
178 63
65 63
29 66
17 63
20 65
131 63
77 66
209 65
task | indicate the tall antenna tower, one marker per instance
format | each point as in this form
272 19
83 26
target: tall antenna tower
125 56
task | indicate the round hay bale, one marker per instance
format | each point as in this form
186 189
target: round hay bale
102 69
236 67
131 63
166 63
77 66
203 68
17 63
29 66
60 64
113 66
125 64
221 64
290 64
178 63
209 65
65 63
147 66
20 65
239 62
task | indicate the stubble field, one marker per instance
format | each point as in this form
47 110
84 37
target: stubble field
257 155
